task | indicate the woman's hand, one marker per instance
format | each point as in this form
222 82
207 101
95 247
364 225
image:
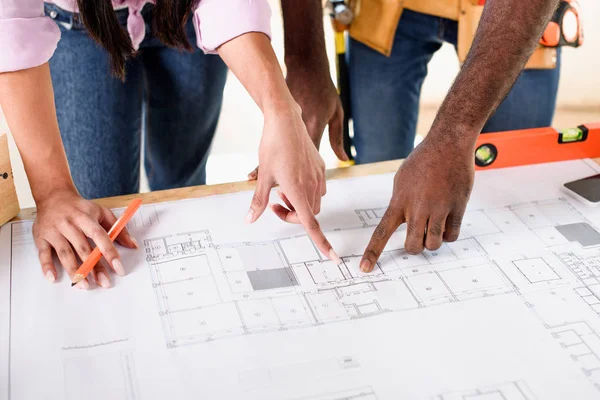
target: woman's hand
289 158
321 107
65 222
287 155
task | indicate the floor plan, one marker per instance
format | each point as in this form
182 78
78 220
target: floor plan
213 308
208 291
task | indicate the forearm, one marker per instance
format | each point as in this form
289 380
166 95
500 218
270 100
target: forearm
505 39
27 100
251 58
304 38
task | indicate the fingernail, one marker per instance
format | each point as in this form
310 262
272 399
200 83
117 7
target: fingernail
83 285
135 243
334 257
50 276
249 217
118 267
365 266
103 280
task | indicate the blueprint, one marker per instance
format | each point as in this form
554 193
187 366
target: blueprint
213 308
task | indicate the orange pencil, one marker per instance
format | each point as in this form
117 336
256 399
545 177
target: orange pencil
94 257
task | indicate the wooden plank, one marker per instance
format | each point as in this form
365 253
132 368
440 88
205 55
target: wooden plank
210 190
9 204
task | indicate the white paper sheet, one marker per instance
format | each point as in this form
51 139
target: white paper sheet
212 308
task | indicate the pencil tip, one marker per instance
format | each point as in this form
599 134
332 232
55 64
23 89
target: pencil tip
73 284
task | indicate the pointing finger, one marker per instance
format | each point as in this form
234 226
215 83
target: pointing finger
260 200
391 220
312 227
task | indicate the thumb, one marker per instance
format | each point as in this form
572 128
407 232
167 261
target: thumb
336 134
260 200
252 176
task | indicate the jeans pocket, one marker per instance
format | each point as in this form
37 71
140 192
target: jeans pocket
65 19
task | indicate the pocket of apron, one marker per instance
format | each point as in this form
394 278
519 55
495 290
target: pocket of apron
375 23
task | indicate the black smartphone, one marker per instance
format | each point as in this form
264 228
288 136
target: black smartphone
586 190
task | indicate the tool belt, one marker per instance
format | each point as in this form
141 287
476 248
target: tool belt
376 21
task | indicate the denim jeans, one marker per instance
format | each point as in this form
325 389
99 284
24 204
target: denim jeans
385 91
170 100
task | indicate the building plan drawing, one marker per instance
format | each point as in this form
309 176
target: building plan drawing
213 308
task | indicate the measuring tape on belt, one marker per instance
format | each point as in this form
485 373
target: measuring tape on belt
536 146
565 28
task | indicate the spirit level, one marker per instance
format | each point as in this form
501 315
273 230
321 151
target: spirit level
535 146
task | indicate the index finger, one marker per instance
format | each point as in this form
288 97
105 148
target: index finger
311 225
391 220
94 231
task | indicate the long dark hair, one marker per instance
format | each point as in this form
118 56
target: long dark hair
170 17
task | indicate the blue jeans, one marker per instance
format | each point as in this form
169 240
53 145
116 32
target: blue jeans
170 100
385 91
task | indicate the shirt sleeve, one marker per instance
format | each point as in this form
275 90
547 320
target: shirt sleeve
27 38
219 21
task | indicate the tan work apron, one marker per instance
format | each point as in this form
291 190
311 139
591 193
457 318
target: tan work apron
376 21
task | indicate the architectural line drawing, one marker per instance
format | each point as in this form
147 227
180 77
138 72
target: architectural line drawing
21 233
363 393
114 362
145 217
89 346
587 272
582 343
269 286
211 308
516 390
208 291
335 378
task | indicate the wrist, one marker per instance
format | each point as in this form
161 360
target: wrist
284 107
45 188
452 137
315 67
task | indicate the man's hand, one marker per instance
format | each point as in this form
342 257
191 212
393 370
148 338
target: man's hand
433 185
431 190
308 76
321 106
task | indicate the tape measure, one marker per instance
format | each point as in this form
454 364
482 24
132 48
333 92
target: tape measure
536 146
565 28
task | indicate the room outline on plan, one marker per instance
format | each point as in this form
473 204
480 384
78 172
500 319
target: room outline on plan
207 291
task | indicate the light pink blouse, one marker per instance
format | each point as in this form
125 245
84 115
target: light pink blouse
28 38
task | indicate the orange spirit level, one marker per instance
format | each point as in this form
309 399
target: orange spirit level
536 146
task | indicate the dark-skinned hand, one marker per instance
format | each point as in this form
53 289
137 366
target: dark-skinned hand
431 190
320 106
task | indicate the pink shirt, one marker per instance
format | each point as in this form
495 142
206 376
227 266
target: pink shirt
28 38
